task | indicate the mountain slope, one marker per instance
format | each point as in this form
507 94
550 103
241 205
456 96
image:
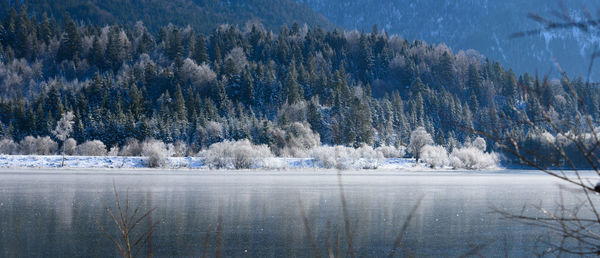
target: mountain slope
203 15
485 26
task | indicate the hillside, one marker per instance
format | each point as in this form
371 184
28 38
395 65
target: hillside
202 15
291 90
485 26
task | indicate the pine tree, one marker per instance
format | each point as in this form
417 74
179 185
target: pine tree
200 53
367 61
446 69
70 44
247 87
180 109
175 49
293 90
474 79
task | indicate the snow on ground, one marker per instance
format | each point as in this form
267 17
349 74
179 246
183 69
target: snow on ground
35 161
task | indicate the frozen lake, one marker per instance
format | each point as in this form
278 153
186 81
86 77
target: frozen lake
46 213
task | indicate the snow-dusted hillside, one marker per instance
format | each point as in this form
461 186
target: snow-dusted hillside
485 26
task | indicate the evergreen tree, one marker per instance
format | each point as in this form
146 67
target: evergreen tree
293 91
200 52
70 44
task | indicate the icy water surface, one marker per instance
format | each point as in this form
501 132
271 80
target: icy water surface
49 213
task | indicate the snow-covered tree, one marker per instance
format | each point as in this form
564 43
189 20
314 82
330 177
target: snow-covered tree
479 143
419 138
63 130
197 74
64 127
296 140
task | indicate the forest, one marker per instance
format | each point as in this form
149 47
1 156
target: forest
126 82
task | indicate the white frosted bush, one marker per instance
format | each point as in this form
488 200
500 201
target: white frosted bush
69 146
132 148
179 149
342 157
27 146
391 151
8 147
368 158
37 146
91 148
434 156
236 154
298 140
156 151
324 155
472 158
114 151
46 146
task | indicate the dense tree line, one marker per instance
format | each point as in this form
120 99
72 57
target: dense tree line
352 88
202 15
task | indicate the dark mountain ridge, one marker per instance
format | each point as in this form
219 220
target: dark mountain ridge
202 15
485 26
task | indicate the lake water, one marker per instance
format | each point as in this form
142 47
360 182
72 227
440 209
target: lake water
46 213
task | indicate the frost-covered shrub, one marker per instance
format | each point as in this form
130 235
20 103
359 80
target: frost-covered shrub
8 147
27 146
179 149
298 140
37 146
91 148
114 151
156 151
132 148
325 156
46 146
368 158
472 158
69 146
434 156
391 151
236 154
342 157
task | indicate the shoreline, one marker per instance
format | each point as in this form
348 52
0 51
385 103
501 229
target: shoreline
279 164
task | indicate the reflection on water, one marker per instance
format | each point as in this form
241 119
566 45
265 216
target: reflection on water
53 213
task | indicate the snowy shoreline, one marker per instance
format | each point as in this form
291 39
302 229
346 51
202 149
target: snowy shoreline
120 162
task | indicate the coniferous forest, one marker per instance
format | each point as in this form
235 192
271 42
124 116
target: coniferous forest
179 84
